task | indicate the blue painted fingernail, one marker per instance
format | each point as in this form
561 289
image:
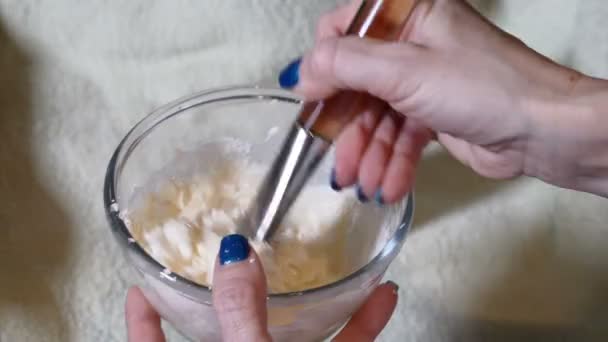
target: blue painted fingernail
394 285
290 76
378 197
361 195
233 248
333 182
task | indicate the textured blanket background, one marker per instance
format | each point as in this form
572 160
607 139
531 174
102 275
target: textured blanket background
488 261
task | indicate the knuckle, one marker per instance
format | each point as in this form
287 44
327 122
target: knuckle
403 66
386 131
234 300
403 145
237 312
237 326
322 62
391 86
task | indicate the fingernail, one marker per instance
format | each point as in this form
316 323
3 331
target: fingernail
290 76
379 198
361 195
333 182
394 285
233 248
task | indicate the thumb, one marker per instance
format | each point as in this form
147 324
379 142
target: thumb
387 70
239 292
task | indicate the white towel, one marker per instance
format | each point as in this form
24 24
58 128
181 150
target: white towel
76 75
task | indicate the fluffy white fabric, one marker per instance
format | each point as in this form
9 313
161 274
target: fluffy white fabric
488 259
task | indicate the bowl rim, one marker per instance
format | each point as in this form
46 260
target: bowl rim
122 233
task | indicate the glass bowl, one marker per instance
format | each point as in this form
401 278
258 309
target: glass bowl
167 144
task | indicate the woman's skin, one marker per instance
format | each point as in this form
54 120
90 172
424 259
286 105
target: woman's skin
493 103
239 299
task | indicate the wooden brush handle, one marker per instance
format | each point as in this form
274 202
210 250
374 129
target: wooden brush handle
378 19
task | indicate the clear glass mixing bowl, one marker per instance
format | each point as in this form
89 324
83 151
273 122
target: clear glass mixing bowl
166 144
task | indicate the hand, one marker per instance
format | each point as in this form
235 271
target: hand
496 105
239 297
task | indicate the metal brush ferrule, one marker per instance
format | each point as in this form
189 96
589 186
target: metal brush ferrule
298 158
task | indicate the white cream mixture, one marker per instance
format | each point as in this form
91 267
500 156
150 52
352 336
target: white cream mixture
182 224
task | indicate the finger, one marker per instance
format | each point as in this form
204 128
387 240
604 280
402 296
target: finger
351 145
458 148
377 155
399 174
389 71
336 22
239 292
143 323
367 323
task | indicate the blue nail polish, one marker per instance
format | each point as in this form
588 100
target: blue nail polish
233 248
394 285
290 76
361 195
378 197
333 182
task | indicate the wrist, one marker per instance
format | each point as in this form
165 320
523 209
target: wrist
568 142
